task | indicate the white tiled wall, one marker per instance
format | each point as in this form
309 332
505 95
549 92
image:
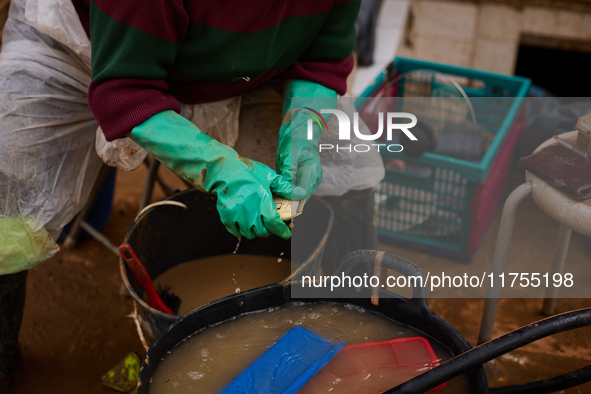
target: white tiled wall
497 39
442 31
495 56
454 52
445 21
498 22
550 22
484 36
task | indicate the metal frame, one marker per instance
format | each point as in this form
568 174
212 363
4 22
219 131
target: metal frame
500 261
80 222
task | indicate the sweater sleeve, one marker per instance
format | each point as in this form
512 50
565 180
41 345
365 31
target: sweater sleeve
133 43
328 60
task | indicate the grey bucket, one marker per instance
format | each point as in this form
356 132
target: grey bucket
167 235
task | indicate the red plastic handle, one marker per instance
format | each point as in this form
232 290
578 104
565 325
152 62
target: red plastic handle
141 274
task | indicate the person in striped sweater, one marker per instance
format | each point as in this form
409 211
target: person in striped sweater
149 57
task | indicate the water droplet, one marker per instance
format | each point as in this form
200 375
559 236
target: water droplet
196 375
237 246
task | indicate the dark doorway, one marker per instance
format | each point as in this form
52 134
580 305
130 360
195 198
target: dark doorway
564 70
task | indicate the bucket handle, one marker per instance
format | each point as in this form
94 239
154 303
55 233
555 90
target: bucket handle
134 315
377 260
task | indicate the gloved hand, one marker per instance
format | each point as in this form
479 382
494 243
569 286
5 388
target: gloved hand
243 187
297 159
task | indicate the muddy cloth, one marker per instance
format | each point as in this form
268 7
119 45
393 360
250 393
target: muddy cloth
12 304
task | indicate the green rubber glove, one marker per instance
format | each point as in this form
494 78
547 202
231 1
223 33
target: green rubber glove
243 187
297 158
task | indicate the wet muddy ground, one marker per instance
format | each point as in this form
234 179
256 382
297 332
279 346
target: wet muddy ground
76 324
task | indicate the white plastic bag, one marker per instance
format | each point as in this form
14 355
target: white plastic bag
123 153
343 171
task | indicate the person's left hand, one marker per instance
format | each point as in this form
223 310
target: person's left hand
298 160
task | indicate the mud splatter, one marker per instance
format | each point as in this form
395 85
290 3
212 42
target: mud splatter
246 161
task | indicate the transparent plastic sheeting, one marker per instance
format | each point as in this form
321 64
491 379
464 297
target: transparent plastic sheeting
48 163
442 203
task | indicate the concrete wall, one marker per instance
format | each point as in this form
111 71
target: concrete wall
484 36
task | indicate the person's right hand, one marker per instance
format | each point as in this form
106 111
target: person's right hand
243 187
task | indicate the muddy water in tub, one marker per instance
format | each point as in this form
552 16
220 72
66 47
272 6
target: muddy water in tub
201 281
207 361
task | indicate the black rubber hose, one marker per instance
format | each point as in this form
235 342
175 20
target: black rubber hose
551 385
493 349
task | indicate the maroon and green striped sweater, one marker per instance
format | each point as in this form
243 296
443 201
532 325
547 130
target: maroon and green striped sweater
149 55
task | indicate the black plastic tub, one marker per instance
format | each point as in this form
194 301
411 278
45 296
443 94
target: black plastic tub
167 235
414 313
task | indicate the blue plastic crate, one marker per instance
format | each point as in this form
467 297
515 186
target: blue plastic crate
448 207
